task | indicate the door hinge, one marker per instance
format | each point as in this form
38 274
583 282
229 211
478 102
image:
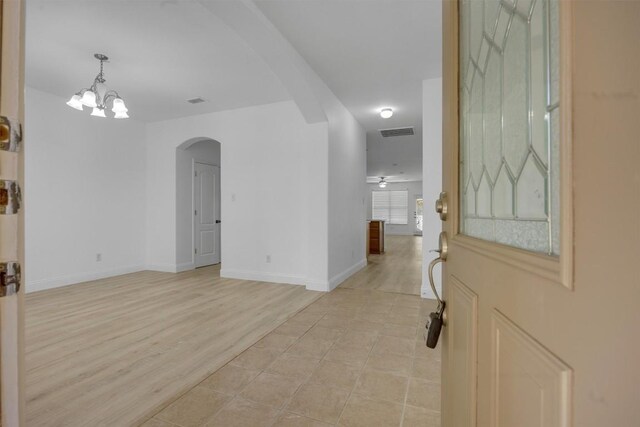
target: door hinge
10 134
195 250
10 197
9 278
195 212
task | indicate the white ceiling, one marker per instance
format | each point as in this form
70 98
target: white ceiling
162 53
372 54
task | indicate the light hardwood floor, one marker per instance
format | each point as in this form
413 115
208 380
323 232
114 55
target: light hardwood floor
399 269
108 352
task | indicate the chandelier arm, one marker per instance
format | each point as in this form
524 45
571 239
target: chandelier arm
108 95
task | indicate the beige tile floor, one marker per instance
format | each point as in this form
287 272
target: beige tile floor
352 358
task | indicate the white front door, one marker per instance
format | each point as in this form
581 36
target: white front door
206 214
540 164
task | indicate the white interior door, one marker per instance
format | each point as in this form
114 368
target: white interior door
206 214
541 287
11 223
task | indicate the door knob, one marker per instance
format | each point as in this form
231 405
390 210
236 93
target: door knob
441 206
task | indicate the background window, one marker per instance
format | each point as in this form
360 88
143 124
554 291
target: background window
391 206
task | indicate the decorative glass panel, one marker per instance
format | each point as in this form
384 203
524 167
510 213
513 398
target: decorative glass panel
509 109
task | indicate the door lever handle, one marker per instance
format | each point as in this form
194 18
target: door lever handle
437 319
442 251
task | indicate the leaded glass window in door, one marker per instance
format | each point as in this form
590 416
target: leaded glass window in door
509 117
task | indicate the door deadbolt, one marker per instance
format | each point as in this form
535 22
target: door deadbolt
441 206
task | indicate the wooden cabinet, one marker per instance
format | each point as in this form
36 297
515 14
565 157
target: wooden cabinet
376 237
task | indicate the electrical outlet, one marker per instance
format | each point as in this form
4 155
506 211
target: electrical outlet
98 257
268 258
233 197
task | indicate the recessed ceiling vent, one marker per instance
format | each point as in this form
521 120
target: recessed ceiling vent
386 133
195 101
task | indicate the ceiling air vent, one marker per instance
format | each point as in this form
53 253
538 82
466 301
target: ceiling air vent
386 133
195 100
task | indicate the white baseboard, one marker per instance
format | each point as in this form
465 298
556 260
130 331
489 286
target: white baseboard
165 268
262 277
341 277
56 282
317 285
172 268
185 266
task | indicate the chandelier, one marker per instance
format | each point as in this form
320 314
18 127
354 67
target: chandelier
97 96
382 183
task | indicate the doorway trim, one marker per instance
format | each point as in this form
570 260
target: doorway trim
185 262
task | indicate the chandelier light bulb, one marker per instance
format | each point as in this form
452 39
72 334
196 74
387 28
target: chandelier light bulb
385 113
382 183
98 112
89 99
74 102
118 106
121 115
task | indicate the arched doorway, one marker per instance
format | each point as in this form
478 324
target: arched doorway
198 203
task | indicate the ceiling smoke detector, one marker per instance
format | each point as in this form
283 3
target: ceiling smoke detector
195 101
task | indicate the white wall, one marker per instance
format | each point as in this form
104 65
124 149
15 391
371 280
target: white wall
273 165
84 194
432 177
203 151
120 180
347 213
342 162
414 189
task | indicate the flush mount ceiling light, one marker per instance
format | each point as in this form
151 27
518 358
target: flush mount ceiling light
385 113
382 183
97 96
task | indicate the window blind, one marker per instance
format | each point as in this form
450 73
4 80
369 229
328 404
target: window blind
391 206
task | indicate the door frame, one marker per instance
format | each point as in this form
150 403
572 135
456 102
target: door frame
12 366
557 269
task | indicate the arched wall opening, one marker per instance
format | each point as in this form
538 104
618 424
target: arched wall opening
198 234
